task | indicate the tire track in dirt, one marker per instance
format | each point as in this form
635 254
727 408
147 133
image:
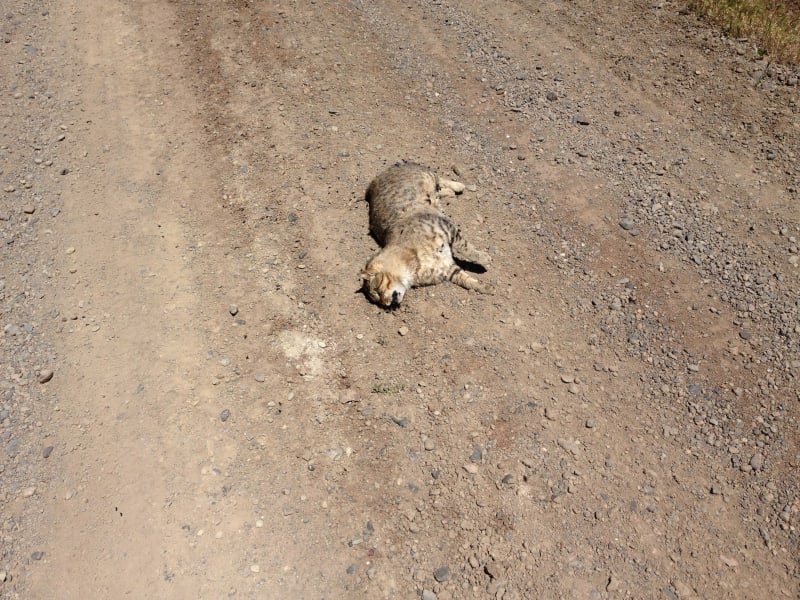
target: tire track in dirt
128 358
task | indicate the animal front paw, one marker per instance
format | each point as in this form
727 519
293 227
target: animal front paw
487 289
483 259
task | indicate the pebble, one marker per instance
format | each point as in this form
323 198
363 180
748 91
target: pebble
570 445
45 375
428 595
12 447
552 96
627 223
260 377
580 119
477 454
730 562
28 492
233 309
442 574
37 555
757 461
403 330
47 451
224 415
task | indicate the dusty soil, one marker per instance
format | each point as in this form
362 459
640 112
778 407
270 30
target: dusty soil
196 403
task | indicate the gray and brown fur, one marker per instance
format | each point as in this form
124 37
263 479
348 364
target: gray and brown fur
419 242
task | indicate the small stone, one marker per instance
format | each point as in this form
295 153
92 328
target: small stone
29 210
580 119
47 451
45 375
552 96
255 569
28 492
351 569
570 445
589 423
627 223
745 335
730 562
37 555
233 309
428 595
403 330
428 444
12 447
442 574
402 422
757 461
224 415
260 377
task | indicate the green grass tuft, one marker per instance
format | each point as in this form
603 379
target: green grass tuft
775 26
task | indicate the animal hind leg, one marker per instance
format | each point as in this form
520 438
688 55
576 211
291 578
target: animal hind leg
449 188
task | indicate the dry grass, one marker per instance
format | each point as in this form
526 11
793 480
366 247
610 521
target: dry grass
775 25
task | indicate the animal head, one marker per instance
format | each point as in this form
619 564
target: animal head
382 285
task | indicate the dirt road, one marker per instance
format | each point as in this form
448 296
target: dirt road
196 403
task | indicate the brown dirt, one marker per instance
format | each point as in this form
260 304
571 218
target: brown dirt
619 421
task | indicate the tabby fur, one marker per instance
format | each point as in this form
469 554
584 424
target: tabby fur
419 242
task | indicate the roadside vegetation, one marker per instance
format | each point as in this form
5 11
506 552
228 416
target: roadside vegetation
775 26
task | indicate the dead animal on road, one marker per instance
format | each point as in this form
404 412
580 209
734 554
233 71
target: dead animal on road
420 244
